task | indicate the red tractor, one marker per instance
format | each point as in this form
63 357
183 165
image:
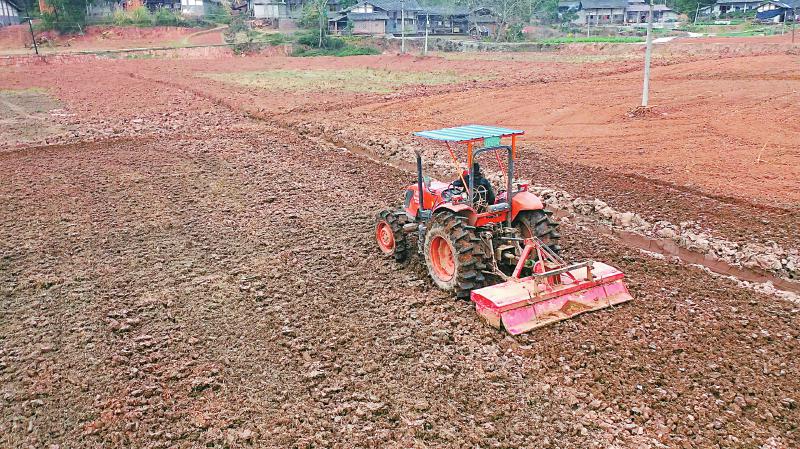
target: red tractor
471 237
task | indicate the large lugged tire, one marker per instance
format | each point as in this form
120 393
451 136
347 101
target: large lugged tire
539 224
389 234
454 254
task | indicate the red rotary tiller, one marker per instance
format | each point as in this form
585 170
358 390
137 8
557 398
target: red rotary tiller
554 291
499 250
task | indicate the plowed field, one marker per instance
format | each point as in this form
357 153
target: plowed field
187 260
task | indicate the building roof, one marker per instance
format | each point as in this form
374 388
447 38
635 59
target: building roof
604 4
395 5
788 4
444 11
728 2
362 16
644 8
483 18
574 4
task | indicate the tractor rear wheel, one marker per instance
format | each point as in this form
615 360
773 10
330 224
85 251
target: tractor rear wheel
537 223
454 254
389 234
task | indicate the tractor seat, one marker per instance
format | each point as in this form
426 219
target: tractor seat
498 207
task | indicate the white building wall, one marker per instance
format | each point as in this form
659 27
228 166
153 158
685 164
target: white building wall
8 14
192 7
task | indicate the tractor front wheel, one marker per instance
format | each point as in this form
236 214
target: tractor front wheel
454 255
389 234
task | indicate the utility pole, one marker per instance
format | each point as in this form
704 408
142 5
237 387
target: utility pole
30 26
697 13
427 25
33 36
403 26
794 21
647 54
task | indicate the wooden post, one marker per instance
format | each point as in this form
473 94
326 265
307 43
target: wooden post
647 55
403 26
427 25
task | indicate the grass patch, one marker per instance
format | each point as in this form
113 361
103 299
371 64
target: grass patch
350 80
593 39
340 52
20 103
331 46
760 31
26 116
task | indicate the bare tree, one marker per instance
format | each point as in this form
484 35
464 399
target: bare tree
507 12
320 7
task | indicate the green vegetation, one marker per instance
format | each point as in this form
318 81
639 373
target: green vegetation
351 80
753 31
66 16
240 36
138 17
689 7
331 46
346 51
69 16
142 17
581 39
218 13
739 29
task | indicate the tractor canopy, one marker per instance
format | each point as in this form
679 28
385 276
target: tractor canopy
487 136
468 133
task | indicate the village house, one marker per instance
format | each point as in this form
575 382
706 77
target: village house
444 20
778 11
269 9
602 12
376 18
614 12
10 13
638 12
730 6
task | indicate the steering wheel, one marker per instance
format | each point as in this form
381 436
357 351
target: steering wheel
451 191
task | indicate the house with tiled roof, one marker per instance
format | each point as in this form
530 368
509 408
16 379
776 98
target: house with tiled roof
378 17
778 11
10 12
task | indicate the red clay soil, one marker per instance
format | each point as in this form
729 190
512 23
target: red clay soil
14 37
101 38
223 290
705 124
176 273
700 105
207 37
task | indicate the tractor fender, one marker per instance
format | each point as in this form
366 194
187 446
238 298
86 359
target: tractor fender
458 209
524 201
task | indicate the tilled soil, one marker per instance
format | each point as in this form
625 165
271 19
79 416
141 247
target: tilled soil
214 282
211 290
